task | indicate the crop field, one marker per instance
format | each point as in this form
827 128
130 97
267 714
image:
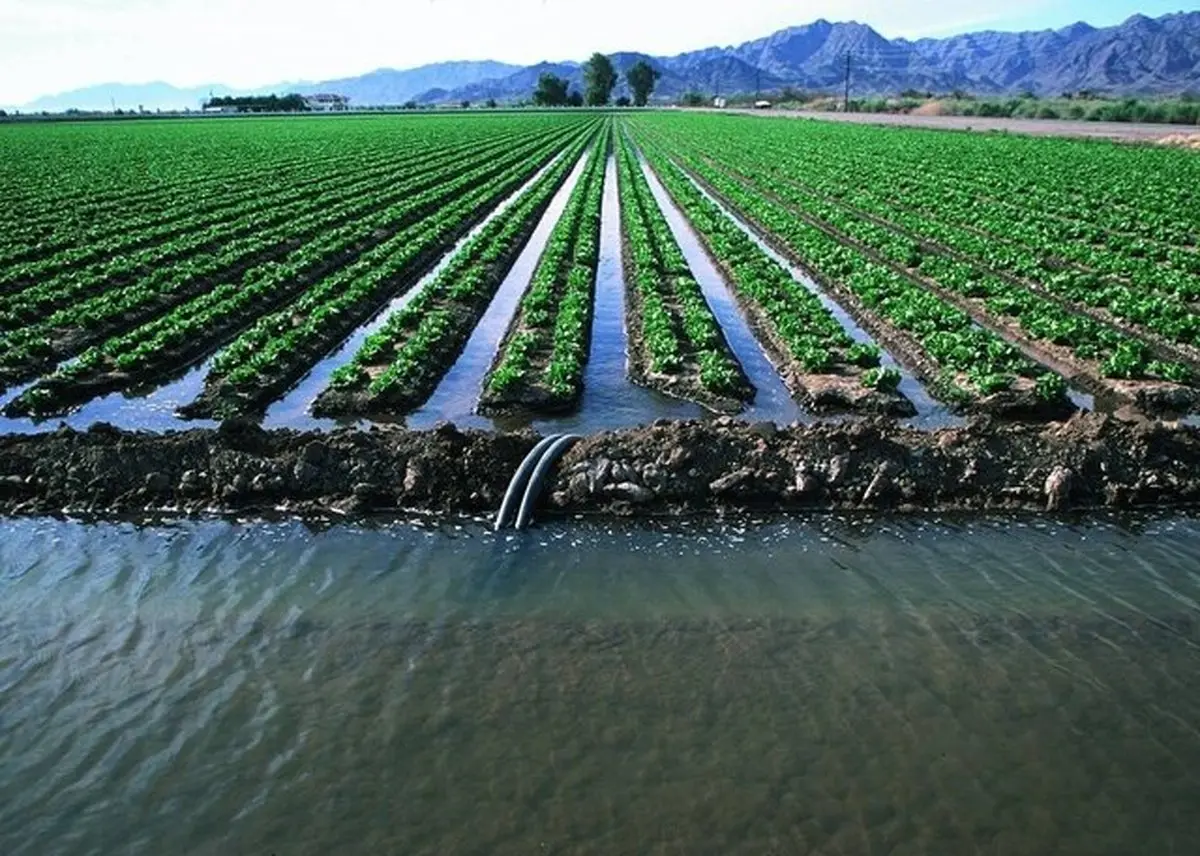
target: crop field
230 266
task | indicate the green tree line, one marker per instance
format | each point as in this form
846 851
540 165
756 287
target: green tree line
600 79
260 103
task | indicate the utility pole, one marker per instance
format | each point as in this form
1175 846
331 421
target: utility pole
757 83
846 103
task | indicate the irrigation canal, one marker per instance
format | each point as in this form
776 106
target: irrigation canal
855 686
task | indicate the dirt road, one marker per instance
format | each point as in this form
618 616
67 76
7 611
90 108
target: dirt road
1047 127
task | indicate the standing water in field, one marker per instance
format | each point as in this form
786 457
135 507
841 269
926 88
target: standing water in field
930 413
609 401
457 395
294 409
772 402
133 410
844 686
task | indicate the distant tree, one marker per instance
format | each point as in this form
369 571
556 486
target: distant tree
491 103
1189 97
3 114
692 99
551 91
574 99
410 105
623 101
600 78
260 104
465 104
642 78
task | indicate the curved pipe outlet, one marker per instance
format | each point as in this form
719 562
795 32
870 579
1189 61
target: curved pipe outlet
537 480
520 478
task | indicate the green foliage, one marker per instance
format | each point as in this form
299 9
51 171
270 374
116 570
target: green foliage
260 103
692 99
408 355
881 379
864 355
551 91
1050 387
641 78
681 334
600 78
552 322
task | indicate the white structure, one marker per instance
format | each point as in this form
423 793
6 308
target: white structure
326 102
719 103
762 105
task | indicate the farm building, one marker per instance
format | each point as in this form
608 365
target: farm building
327 102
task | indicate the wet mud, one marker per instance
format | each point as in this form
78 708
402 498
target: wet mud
712 467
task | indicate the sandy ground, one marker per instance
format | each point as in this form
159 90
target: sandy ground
1046 127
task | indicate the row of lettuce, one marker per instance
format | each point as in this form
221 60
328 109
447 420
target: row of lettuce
676 343
400 365
1099 295
540 364
280 312
966 361
274 289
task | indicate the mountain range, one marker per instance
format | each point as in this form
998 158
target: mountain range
1141 56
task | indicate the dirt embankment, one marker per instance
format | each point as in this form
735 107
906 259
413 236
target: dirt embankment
669 467
1124 131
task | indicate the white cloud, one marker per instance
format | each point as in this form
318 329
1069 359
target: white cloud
53 45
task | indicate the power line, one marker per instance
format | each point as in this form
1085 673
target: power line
846 103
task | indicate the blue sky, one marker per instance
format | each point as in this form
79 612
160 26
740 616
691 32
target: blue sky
49 46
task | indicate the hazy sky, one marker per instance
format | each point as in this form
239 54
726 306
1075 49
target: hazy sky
48 46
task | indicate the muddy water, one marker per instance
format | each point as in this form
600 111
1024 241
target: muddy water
828 686
773 401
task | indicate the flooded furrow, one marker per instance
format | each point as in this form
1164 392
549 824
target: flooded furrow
609 399
930 413
294 409
772 402
132 410
457 395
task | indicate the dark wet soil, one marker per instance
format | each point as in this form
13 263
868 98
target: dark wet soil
665 468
